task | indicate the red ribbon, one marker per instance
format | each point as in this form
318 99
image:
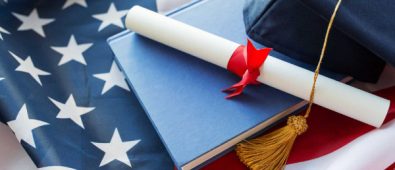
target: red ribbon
245 62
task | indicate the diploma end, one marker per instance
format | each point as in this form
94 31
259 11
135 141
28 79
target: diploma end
131 14
386 108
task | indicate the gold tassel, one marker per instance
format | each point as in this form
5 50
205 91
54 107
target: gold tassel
271 151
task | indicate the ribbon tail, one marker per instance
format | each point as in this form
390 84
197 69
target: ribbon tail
235 90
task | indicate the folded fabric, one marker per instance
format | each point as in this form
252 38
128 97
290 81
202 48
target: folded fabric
294 29
336 142
61 92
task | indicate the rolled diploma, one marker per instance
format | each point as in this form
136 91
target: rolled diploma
276 73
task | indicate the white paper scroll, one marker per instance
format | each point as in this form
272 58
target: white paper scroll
281 75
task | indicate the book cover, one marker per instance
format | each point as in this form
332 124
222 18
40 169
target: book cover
182 94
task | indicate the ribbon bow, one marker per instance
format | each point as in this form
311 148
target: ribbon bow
246 64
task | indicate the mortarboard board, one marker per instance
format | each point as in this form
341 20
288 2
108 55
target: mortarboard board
369 23
359 42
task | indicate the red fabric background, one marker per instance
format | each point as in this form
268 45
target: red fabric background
327 132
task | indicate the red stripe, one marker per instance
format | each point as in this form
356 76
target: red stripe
328 131
392 167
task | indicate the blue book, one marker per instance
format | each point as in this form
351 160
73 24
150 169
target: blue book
183 98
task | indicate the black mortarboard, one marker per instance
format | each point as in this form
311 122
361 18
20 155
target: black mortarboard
360 43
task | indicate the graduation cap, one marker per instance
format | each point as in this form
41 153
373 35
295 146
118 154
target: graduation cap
361 41
271 150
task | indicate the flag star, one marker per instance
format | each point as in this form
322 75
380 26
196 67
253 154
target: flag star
70 110
28 67
55 168
72 51
33 22
2 30
23 126
116 149
113 78
69 3
1 78
112 16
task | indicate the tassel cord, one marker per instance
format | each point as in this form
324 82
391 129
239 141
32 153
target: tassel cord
271 151
323 51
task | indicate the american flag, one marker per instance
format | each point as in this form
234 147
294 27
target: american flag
70 107
62 94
